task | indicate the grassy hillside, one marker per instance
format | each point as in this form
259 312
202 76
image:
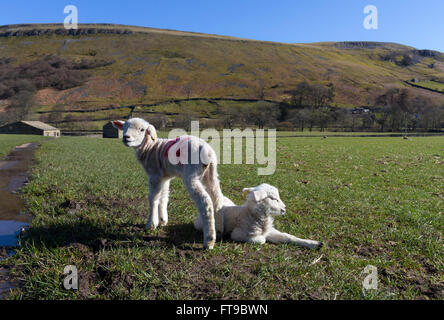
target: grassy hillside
152 65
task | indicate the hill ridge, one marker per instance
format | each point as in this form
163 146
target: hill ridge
144 29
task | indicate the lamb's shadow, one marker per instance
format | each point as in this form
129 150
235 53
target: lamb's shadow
64 234
184 235
97 236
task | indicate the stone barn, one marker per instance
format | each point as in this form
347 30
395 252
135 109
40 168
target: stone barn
30 127
110 132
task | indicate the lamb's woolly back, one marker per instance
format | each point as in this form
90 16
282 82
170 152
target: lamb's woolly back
149 149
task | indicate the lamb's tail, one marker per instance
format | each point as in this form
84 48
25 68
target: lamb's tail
215 192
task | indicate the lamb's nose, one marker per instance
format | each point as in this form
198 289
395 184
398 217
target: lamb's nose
126 138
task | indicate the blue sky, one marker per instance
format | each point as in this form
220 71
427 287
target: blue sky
416 23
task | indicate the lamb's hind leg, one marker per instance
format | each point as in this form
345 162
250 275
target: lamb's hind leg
198 222
163 204
212 186
276 236
205 209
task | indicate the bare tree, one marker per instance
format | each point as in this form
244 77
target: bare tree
307 95
299 117
262 114
183 120
313 98
402 107
160 120
188 88
260 90
21 104
230 116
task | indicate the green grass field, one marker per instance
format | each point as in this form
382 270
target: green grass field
438 86
372 201
430 85
7 142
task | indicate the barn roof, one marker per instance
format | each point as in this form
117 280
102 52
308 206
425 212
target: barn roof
39 125
108 124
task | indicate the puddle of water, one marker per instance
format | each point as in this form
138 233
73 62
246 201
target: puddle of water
9 232
13 174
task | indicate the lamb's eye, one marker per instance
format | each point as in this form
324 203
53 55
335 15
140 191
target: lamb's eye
142 129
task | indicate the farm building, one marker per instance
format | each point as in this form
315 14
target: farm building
110 132
30 127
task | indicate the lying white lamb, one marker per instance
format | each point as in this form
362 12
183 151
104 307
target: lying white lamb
253 221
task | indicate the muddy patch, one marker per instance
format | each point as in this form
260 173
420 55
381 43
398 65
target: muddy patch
13 175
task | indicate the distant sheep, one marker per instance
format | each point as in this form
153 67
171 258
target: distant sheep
200 177
253 221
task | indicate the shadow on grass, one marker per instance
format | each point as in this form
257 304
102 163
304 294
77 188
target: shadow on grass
184 235
98 236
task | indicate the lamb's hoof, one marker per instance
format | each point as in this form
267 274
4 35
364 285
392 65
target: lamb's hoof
320 245
163 223
151 226
258 242
209 245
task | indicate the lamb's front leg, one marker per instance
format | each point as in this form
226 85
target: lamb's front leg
154 193
163 204
276 236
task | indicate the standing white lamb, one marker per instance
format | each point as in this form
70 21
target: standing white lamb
187 157
253 221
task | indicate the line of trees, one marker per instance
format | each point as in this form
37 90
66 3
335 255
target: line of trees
309 107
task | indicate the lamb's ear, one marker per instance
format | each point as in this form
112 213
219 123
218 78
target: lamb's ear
118 124
152 132
259 195
245 192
